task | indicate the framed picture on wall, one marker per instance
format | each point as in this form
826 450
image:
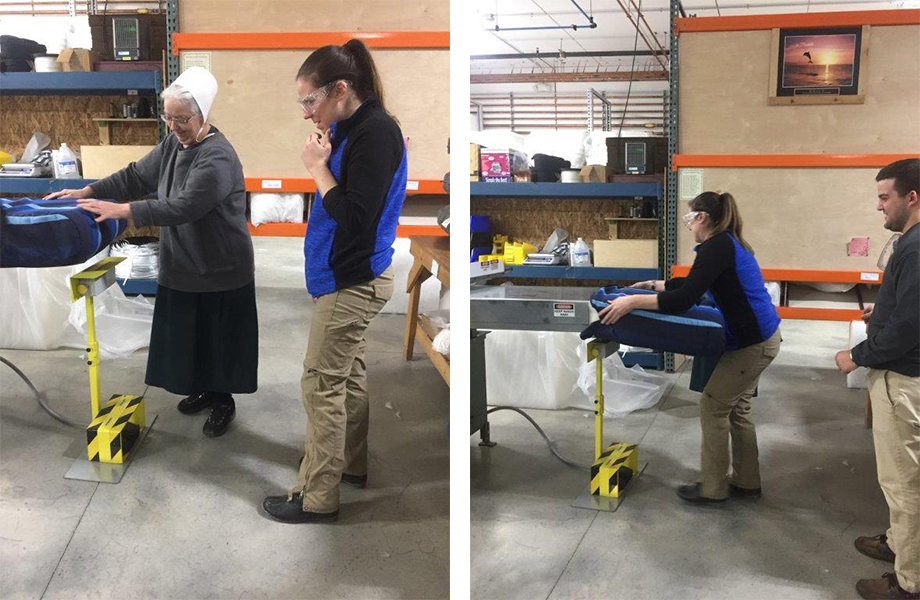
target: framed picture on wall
819 66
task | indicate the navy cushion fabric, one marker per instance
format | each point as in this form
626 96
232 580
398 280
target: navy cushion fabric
699 331
52 233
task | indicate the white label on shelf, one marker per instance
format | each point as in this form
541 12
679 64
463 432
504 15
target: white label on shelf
868 277
564 310
434 268
132 92
412 186
196 59
271 184
690 184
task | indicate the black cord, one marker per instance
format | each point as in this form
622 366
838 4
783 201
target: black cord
40 396
549 442
632 71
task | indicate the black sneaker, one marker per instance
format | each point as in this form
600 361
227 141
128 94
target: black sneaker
222 414
358 481
291 511
741 492
195 403
694 493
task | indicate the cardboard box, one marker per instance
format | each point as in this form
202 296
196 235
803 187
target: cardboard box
474 162
75 60
102 161
593 174
639 254
500 166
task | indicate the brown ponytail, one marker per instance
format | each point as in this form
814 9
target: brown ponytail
724 214
352 62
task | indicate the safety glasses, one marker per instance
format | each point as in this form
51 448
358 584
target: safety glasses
690 216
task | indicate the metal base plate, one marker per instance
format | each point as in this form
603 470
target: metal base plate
84 469
604 503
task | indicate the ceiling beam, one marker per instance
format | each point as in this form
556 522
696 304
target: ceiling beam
599 54
658 75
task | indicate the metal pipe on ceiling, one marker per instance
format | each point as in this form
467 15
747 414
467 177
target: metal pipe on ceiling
590 25
724 6
638 27
599 54
657 75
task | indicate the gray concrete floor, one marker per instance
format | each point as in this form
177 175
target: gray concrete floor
819 481
184 522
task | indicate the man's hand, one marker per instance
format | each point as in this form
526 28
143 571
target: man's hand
616 310
316 151
844 362
867 313
86 192
105 210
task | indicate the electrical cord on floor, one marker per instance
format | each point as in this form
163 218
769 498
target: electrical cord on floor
549 442
40 396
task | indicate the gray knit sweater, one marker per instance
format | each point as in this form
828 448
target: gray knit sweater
200 208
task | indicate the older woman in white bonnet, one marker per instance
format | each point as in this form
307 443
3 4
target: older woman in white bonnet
204 341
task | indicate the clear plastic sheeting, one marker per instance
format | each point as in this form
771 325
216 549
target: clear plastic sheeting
38 315
625 390
547 370
142 258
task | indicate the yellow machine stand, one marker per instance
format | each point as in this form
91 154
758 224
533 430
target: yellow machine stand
117 427
616 466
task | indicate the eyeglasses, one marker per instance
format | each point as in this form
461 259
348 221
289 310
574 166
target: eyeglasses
690 216
308 102
180 120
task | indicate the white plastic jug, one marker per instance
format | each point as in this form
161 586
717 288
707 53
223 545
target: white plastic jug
65 163
580 254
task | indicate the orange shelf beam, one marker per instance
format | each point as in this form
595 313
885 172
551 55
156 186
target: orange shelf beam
300 229
794 161
819 314
805 275
855 18
307 186
381 40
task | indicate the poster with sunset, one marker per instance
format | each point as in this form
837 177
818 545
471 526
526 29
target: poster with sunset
819 62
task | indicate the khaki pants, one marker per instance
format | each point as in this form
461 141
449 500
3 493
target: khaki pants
725 409
896 430
334 386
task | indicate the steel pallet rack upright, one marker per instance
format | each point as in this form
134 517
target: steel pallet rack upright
667 218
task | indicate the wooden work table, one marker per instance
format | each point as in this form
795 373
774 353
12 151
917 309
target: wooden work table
431 258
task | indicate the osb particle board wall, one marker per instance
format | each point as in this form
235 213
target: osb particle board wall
797 218
67 119
801 218
724 81
256 108
256 105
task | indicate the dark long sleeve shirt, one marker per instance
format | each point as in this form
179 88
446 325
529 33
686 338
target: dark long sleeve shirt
730 273
893 335
200 207
352 228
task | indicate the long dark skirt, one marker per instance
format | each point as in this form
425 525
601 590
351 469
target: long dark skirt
204 341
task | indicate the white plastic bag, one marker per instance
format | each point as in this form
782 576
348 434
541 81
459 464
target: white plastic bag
441 342
856 380
625 390
276 208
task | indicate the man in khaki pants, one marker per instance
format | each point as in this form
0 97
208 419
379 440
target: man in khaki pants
892 353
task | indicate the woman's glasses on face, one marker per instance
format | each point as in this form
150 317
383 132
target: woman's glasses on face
180 120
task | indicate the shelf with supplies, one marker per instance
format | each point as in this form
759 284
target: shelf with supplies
566 190
39 185
93 83
585 273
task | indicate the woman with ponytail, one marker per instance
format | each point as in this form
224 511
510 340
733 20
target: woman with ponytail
357 159
725 267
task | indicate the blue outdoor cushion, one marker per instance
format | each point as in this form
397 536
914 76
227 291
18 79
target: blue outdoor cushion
51 233
699 331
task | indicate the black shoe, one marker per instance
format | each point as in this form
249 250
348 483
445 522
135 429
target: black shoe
291 511
694 493
222 414
195 403
741 492
274 501
358 481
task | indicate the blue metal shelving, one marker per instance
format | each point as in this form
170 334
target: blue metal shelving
133 287
563 272
566 190
118 83
39 185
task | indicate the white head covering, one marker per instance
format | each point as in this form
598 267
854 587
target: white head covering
201 85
